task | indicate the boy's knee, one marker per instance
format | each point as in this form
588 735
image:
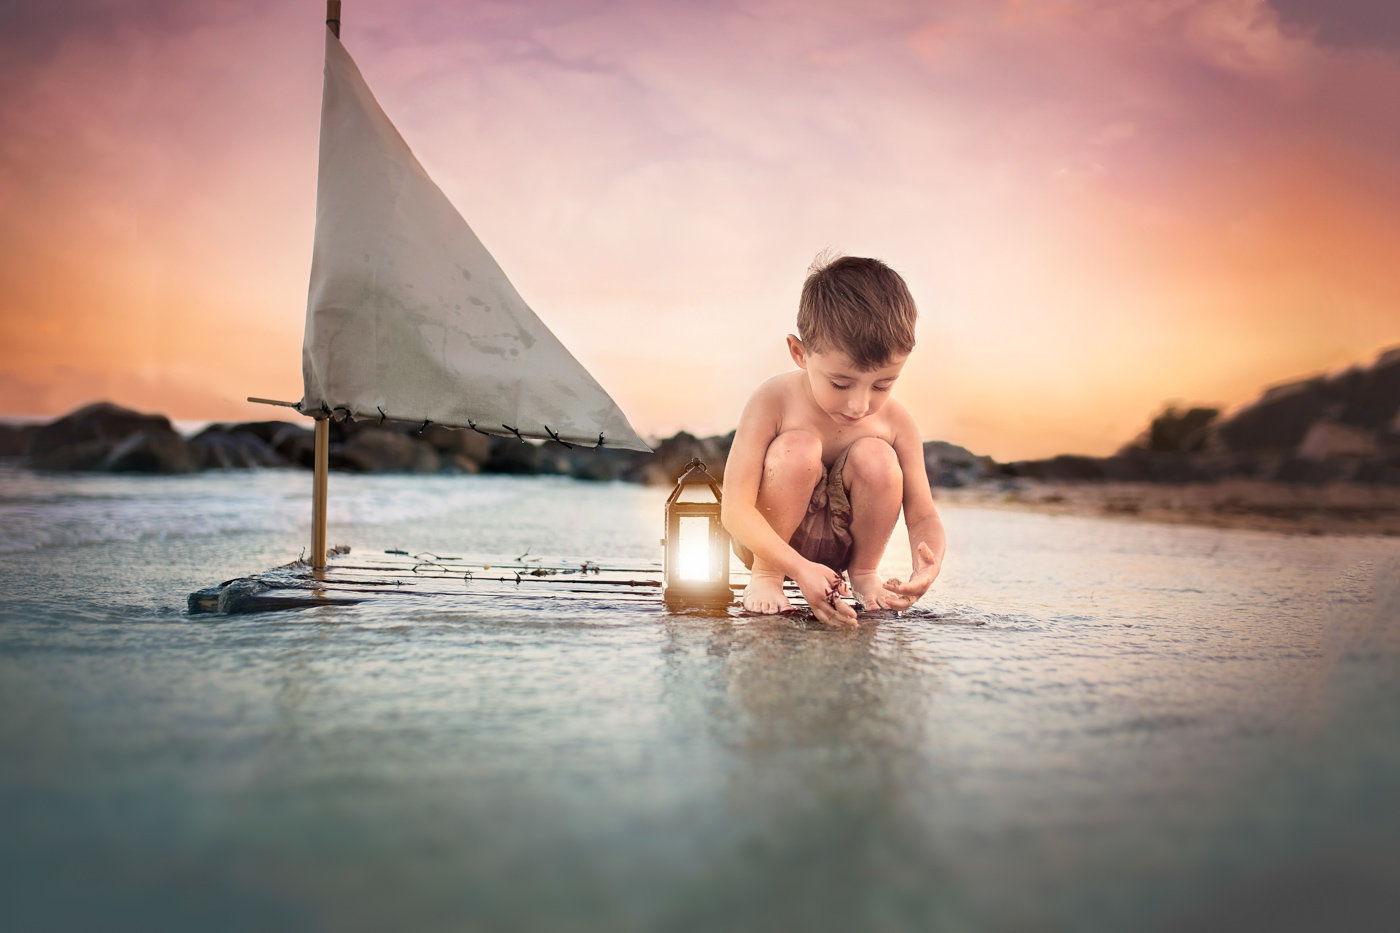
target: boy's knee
794 455
872 461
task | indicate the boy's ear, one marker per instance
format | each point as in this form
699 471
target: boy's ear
797 351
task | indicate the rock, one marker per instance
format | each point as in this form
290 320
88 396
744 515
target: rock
15 439
1276 423
97 421
149 452
601 465
1372 397
230 447
554 459
458 442
80 455
265 431
1175 431
459 463
295 444
1377 473
103 436
1311 472
1330 440
1130 465
950 466
669 459
511 455
1064 468
384 450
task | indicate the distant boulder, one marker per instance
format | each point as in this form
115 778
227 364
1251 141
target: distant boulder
294 444
602 464
15 439
104 436
233 447
1372 397
1332 440
669 459
1277 422
149 452
512 455
1310 472
384 450
421 449
1352 404
1175 431
458 444
1064 468
950 466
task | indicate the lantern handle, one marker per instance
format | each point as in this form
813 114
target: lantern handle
693 475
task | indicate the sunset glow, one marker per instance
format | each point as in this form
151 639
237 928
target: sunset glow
1100 207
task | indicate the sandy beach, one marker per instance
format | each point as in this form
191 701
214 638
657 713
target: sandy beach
1333 508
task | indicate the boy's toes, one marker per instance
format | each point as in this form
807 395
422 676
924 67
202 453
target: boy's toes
765 607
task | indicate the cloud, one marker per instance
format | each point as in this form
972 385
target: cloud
1360 24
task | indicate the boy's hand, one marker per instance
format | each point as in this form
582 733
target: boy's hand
899 595
823 588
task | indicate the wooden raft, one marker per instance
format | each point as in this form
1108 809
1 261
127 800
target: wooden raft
398 574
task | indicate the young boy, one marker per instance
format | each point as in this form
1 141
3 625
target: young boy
824 459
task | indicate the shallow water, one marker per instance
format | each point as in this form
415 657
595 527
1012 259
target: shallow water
1087 724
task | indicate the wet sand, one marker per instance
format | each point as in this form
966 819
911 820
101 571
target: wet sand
1334 508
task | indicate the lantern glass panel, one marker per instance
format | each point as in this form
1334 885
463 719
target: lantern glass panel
693 550
696 492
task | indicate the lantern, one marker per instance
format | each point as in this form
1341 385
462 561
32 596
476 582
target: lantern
697 546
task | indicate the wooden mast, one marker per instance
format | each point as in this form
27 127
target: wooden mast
319 485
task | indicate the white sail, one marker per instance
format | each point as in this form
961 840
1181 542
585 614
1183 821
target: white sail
408 316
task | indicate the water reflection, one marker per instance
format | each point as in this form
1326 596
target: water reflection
818 735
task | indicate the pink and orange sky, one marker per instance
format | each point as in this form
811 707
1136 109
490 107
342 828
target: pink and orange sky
1101 207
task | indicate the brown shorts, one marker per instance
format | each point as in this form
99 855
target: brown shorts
824 536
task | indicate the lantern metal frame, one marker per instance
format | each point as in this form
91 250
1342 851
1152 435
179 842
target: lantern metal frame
714 592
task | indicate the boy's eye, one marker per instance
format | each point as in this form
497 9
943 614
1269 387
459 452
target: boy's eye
839 387
882 388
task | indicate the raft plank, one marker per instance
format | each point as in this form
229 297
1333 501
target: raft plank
393 574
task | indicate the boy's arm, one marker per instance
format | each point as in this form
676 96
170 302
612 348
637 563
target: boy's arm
927 541
758 426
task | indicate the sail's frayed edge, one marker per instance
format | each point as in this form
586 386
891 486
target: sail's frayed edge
520 432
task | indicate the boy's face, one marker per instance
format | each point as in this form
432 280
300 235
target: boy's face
845 392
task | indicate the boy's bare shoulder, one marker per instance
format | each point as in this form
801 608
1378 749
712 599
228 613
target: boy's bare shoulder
776 393
768 407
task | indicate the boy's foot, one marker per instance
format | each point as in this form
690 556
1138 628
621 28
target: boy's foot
764 595
870 591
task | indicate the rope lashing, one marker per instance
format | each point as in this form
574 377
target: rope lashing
557 438
424 427
382 416
513 431
472 424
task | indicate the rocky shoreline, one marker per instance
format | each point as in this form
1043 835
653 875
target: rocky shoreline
105 437
1316 455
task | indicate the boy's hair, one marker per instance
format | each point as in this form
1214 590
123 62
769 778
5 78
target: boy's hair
859 306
